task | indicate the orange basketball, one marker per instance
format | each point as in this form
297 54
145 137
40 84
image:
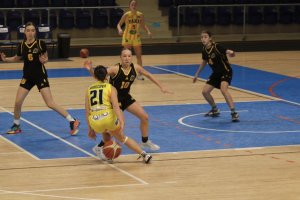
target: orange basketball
84 53
112 149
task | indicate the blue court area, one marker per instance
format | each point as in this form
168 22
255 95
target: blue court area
176 127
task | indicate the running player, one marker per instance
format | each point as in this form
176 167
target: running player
34 54
122 76
104 115
133 20
216 56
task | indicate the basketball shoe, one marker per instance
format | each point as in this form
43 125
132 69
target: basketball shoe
74 125
15 129
140 77
235 117
146 157
99 153
150 145
212 113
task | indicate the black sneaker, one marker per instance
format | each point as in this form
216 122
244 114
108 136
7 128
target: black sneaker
212 113
15 129
235 117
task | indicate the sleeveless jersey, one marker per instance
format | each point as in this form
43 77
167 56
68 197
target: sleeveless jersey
30 53
122 81
99 95
132 25
216 58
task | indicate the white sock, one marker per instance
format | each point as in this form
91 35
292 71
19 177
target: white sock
70 118
17 121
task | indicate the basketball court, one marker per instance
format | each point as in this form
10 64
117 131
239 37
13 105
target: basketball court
200 157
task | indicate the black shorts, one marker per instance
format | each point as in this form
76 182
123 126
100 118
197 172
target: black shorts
30 83
125 100
215 79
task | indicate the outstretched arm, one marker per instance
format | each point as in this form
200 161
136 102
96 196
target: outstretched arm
10 59
88 65
144 72
201 66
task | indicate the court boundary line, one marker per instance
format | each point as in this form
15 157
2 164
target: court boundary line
232 87
76 147
43 195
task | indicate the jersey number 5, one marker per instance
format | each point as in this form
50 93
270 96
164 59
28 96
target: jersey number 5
96 97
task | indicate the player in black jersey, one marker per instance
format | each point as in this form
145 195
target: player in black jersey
216 56
122 76
34 54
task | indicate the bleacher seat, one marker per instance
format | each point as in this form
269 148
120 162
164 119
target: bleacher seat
165 3
270 15
255 15
90 3
24 3
2 18
7 4
58 3
107 2
192 16
238 15
115 16
5 37
53 18
286 15
83 19
66 19
173 16
224 16
297 14
197 2
13 19
100 18
73 3
20 32
32 16
208 16
41 3
44 32
181 2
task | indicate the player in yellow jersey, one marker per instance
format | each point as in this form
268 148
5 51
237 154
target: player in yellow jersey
133 20
104 115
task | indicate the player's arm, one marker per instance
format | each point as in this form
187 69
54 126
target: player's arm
91 132
43 57
144 72
200 68
145 27
10 59
119 25
88 65
116 107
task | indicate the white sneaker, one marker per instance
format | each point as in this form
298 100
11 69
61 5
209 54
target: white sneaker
146 157
99 152
140 77
150 145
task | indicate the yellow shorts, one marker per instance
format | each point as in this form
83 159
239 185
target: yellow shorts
131 42
104 120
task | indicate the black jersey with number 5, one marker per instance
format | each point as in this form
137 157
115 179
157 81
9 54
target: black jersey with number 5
216 58
122 81
30 53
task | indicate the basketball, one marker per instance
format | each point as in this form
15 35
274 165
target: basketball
112 149
84 53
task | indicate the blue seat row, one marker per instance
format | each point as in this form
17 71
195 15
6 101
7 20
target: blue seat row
192 16
64 19
55 3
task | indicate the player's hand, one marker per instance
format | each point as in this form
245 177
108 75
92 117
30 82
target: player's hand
166 91
120 32
3 57
231 54
150 34
43 58
88 65
92 134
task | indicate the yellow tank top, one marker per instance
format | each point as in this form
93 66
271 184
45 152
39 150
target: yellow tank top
99 95
133 23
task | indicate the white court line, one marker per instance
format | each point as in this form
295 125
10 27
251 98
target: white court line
44 195
82 188
180 121
76 147
235 88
